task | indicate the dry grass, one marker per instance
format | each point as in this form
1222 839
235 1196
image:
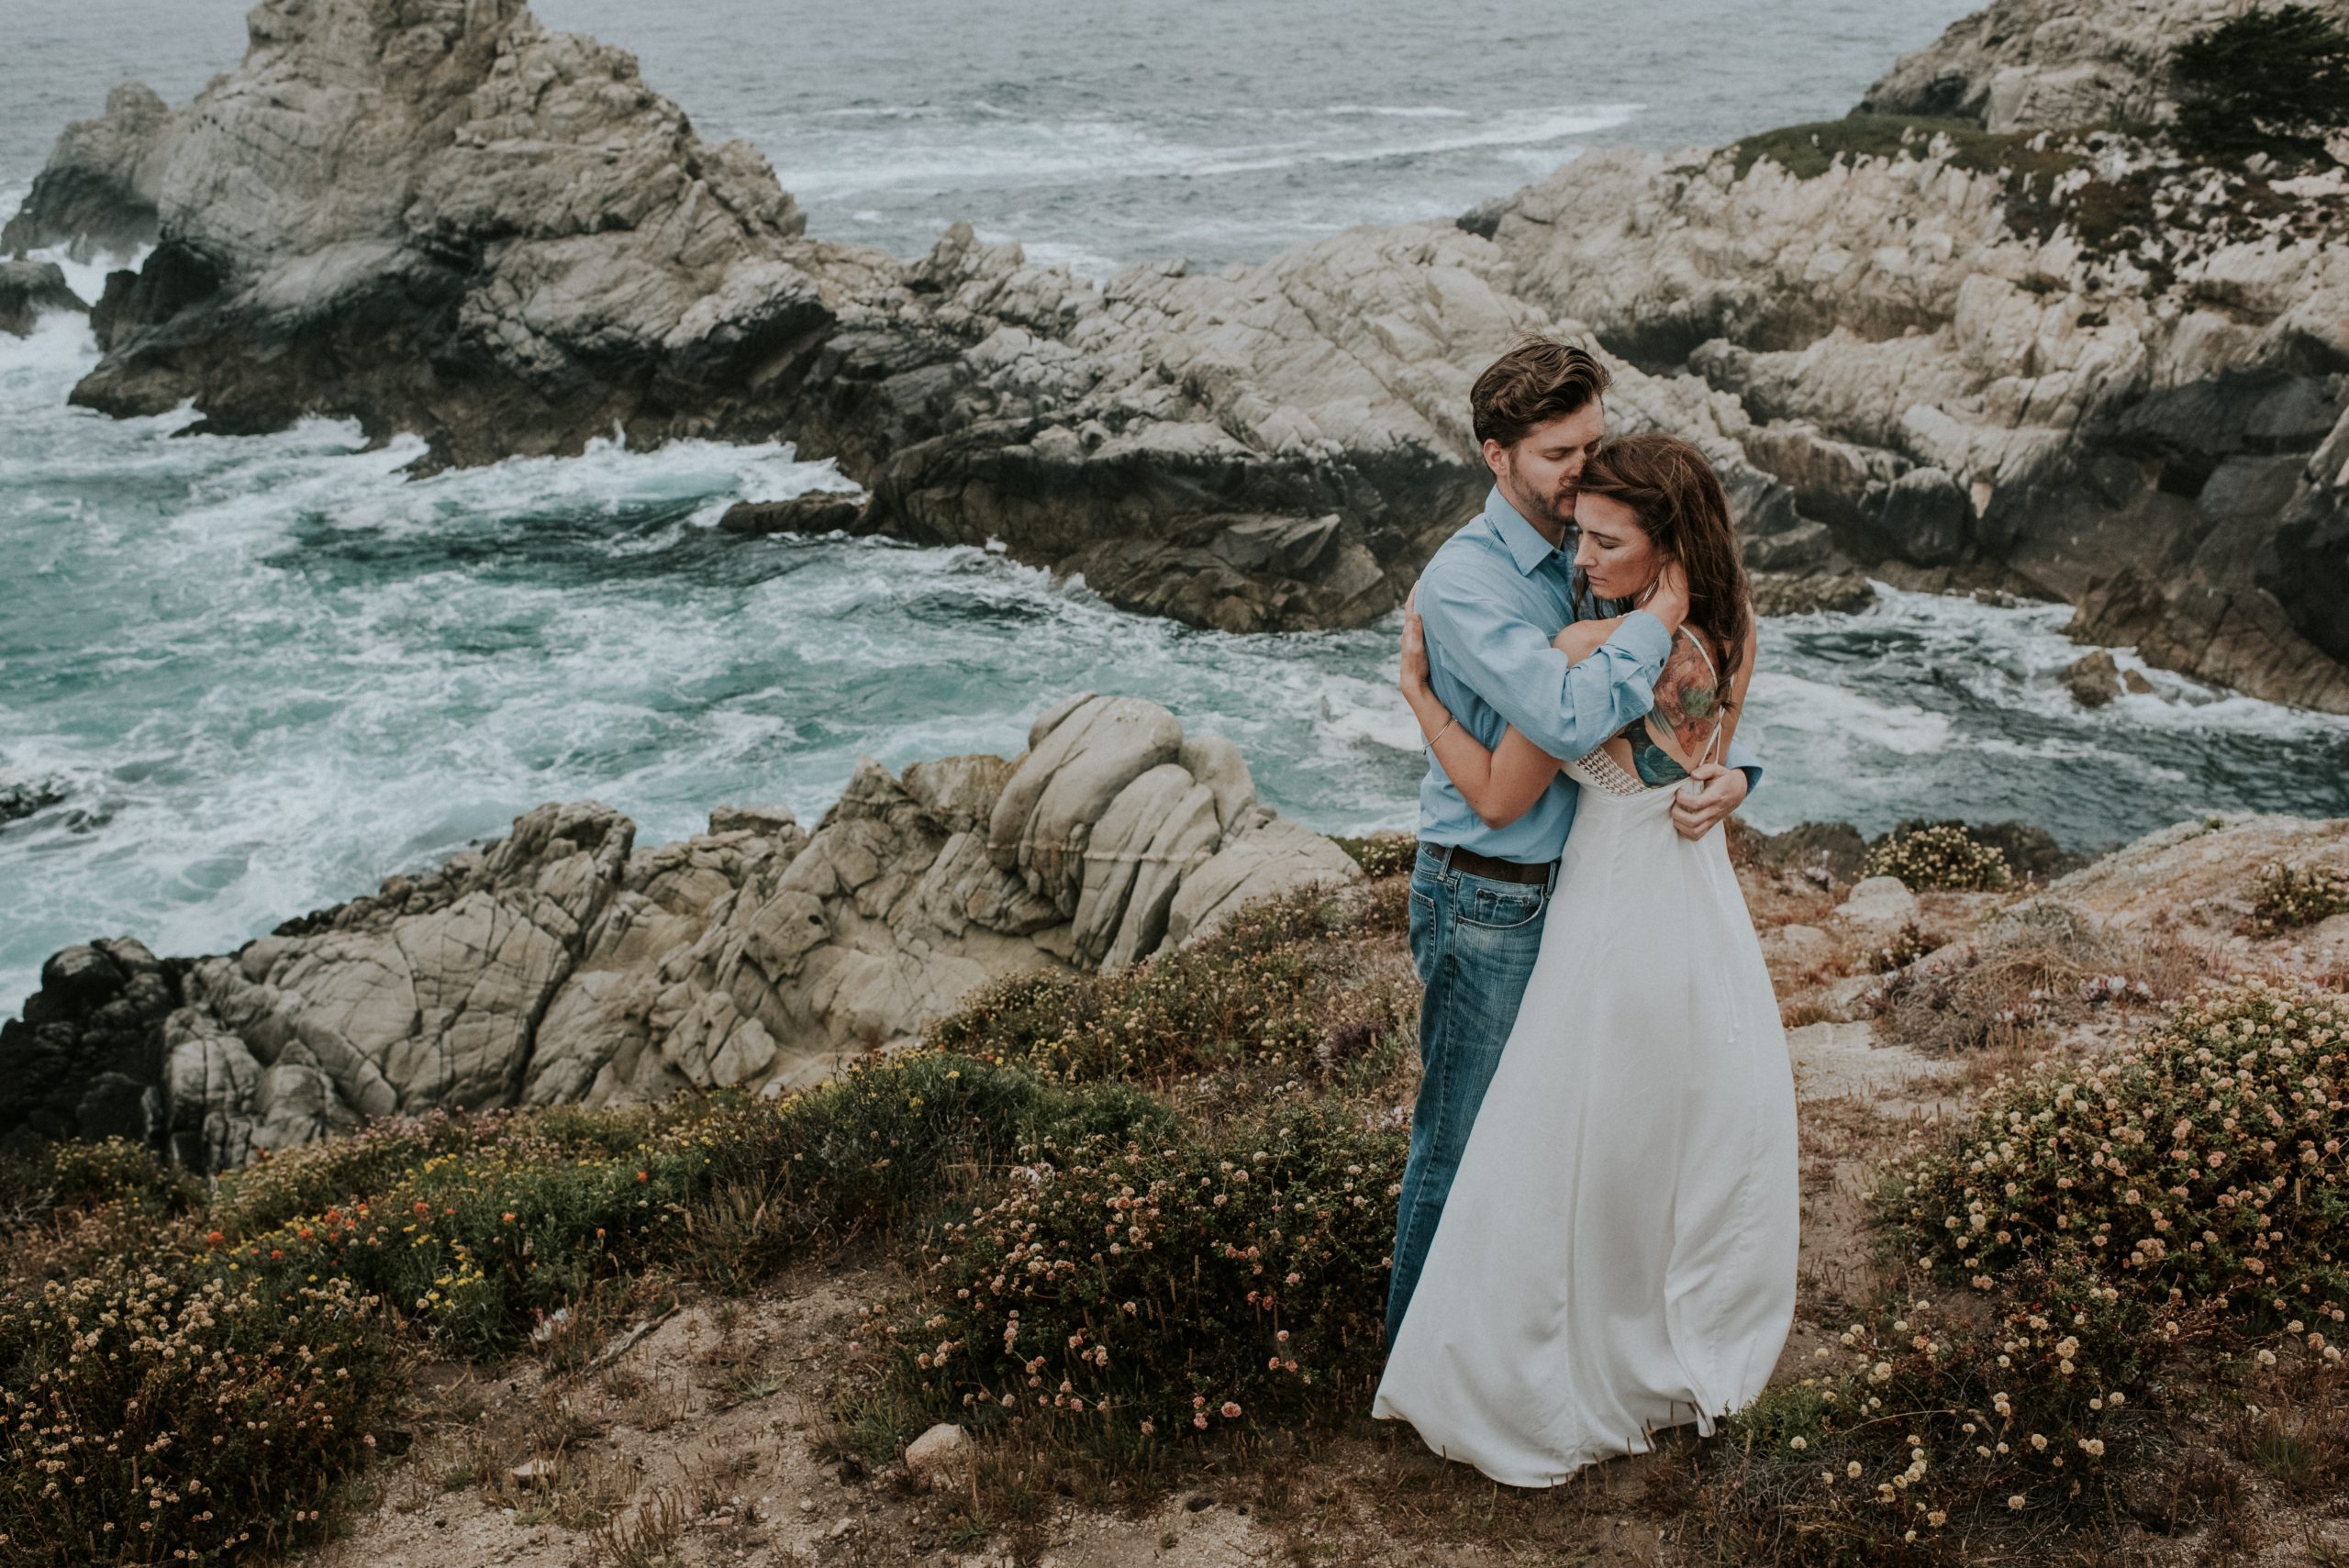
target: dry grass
2043 967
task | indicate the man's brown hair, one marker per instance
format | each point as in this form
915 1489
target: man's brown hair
1538 381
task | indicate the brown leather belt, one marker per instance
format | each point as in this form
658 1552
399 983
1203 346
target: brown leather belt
1476 864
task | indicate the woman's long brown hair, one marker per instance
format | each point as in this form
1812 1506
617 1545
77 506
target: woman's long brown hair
1679 500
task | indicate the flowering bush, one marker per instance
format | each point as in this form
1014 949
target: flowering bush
2189 1188
1264 987
161 1409
1942 856
1928 1436
517 1214
1159 1291
76 1175
2202 1165
1383 854
2285 897
191 1384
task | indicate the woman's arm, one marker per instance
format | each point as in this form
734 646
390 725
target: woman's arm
1499 785
1582 639
1737 685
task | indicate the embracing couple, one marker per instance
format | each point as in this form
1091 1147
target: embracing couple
1596 1235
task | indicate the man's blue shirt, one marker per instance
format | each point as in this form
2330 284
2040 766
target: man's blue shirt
1492 598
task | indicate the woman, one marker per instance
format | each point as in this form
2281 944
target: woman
1618 1253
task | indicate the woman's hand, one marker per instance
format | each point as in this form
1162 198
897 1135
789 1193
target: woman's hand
1412 675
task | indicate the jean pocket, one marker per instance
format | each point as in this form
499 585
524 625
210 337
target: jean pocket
1423 935
1499 906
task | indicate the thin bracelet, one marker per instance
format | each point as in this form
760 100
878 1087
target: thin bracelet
1444 732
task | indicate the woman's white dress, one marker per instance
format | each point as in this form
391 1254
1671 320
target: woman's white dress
1617 1254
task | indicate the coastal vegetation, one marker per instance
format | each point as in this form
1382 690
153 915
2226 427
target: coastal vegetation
2273 80
1128 1233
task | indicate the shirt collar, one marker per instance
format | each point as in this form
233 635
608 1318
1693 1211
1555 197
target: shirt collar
1525 545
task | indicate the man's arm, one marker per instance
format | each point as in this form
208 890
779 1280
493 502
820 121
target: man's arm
1566 709
1745 760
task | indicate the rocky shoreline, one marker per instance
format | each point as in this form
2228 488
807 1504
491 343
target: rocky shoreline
2032 357
563 964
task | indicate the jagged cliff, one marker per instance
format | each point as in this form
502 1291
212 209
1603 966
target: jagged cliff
2065 363
563 964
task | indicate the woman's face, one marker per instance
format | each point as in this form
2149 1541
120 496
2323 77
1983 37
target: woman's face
1615 554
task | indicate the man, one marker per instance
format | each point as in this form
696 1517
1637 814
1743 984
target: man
1492 599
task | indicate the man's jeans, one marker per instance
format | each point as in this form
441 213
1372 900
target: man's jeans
1474 940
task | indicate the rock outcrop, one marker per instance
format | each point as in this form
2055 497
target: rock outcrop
1969 378
29 288
97 195
563 964
2026 63
442 219
2069 366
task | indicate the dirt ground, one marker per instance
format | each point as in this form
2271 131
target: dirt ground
700 1435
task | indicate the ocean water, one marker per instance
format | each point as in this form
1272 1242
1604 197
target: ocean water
266 672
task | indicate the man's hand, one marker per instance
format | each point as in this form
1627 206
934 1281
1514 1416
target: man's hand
1668 600
1697 815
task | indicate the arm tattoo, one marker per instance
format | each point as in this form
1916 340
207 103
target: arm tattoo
1686 699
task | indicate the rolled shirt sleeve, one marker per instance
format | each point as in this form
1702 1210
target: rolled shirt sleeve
1740 755
1566 709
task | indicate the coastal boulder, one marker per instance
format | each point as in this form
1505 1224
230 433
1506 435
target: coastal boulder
84 1058
562 964
428 996
1263 861
28 289
98 192
442 218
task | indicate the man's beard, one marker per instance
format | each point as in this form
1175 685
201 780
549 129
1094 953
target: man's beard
1556 508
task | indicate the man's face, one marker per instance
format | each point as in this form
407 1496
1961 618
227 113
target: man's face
1538 475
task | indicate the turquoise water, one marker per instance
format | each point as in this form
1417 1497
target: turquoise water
267 672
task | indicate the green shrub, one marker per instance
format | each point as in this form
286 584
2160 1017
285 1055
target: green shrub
1155 1292
1929 1436
76 1175
2285 897
279 1185
1263 987
2188 1191
2202 1164
1809 150
163 1409
1942 857
1383 854
257 1338
512 1216
2273 80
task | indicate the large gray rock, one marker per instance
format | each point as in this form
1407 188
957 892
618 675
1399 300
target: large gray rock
439 218
436 217
1968 386
2022 64
98 192
559 964
1044 819
428 996
1261 862
28 289
442 219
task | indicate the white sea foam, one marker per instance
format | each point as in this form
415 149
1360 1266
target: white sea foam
1100 151
269 670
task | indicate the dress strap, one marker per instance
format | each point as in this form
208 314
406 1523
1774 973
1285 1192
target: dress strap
1712 743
